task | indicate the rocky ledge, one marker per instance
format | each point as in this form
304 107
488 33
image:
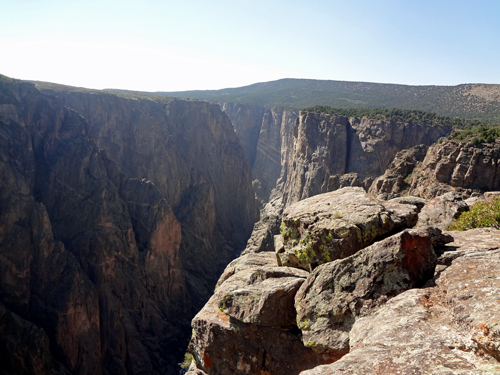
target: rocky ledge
409 301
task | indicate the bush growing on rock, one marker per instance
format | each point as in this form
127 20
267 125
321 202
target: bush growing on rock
481 215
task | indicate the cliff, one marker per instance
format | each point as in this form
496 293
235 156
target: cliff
265 134
116 217
328 147
322 153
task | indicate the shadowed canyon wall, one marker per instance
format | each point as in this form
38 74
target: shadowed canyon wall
116 219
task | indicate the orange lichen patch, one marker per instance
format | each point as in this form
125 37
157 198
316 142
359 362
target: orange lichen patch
483 328
264 372
222 317
207 362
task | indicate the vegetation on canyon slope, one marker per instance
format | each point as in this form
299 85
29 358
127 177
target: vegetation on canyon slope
481 215
478 134
400 115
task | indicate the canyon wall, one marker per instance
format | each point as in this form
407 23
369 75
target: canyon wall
265 134
328 147
116 219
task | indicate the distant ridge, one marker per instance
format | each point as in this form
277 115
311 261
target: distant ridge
473 101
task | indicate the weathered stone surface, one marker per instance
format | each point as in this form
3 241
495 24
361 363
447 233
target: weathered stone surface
416 201
394 181
338 224
457 164
262 295
247 261
451 328
438 238
248 326
465 243
338 293
441 211
193 370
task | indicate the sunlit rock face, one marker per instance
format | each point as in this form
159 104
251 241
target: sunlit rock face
327 147
116 219
452 164
266 135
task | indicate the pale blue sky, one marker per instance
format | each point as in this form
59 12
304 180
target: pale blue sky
155 45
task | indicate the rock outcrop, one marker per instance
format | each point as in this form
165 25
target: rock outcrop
451 164
338 293
311 314
449 327
335 225
442 210
395 181
248 325
369 313
113 227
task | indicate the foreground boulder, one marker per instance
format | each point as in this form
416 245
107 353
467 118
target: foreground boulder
450 328
336 294
248 326
335 225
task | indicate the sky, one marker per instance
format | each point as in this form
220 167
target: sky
154 45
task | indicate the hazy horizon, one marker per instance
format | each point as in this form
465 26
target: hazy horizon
195 45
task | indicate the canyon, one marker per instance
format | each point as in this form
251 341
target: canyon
124 221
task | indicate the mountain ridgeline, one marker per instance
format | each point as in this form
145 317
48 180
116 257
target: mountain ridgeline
471 101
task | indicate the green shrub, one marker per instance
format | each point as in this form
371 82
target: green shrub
480 215
478 134
188 358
